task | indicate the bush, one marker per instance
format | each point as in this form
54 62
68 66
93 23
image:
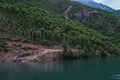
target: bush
2 45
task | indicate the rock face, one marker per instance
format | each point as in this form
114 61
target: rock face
81 16
26 57
85 12
38 57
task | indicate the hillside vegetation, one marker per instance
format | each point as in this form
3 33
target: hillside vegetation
2 45
32 23
106 23
102 21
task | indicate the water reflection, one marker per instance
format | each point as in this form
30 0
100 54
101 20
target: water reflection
42 66
115 77
84 69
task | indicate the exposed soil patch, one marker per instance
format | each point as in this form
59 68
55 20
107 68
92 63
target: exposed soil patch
25 52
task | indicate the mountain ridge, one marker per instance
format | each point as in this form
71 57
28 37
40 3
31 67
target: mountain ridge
94 4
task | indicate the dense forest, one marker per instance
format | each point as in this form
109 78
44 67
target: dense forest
34 22
106 23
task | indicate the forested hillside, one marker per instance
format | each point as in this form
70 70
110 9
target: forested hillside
99 20
32 23
106 23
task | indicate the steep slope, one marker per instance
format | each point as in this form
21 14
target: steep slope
90 17
117 12
34 24
106 23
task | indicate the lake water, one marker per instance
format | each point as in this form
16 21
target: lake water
84 69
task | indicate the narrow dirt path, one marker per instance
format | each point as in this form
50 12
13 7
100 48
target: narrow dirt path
34 50
67 10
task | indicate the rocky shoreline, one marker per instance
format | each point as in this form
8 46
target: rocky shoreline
29 52
26 57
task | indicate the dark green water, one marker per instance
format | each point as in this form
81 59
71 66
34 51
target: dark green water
84 69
